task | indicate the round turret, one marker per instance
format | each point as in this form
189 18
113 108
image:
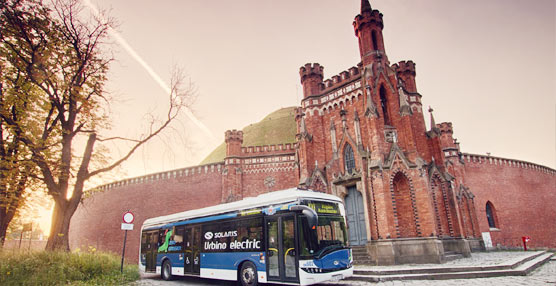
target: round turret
311 78
368 27
234 139
406 71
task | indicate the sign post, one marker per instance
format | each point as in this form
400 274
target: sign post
128 218
26 227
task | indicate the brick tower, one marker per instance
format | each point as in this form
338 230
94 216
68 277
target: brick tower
362 136
232 188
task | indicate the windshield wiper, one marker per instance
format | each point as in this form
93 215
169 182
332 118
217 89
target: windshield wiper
329 249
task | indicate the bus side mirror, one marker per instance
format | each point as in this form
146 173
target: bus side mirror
310 213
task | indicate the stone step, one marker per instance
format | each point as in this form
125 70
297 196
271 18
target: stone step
453 256
447 269
521 268
359 250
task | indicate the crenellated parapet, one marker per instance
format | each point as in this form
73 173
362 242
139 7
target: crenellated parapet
404 67
233 139
342 78
215 168
474 159
406 71
234 136
445 128
311 78
339 89
367 17
268 149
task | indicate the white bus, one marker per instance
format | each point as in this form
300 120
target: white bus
293 236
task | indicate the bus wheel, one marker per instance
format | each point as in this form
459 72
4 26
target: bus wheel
166 270
248 274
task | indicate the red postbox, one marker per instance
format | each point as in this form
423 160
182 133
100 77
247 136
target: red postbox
525 239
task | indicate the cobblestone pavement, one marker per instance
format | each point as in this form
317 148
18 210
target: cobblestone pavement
545 275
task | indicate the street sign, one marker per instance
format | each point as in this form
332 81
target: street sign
28 227
127 226
128 217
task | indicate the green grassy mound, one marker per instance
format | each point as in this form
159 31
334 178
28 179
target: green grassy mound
63 268
279 127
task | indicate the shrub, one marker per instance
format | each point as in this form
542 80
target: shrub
63 268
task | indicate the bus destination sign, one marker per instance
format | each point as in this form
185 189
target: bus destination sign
324 207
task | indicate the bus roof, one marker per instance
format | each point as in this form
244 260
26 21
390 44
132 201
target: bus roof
266 199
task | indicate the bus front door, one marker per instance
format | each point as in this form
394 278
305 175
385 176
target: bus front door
282 263
151 239
192 243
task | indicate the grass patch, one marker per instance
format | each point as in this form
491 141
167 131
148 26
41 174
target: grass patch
63 268
279 127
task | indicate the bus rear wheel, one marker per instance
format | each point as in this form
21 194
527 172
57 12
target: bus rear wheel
166 272
248 274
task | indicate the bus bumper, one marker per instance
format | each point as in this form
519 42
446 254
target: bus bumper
314 278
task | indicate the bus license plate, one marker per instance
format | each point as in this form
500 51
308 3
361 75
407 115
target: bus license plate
337 277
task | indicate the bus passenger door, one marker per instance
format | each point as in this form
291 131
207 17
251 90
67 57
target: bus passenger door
282 259
192 255
188 250
196 254
151 245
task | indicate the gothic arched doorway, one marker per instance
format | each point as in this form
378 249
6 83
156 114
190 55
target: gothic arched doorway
355 213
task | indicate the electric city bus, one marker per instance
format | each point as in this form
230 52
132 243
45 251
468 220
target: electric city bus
293 236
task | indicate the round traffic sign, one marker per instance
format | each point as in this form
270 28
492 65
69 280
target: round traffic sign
128 217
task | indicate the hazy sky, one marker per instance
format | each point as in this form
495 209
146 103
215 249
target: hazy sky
487 66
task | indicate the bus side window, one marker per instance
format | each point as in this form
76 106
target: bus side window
196 237
251 229
161 237
187 238
144 243
178 235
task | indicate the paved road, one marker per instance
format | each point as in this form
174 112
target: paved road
545 275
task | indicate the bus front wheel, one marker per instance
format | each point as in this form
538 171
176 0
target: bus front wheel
248 274
166 270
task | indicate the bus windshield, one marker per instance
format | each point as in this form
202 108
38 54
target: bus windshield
329 236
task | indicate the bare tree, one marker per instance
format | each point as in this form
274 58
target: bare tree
66 59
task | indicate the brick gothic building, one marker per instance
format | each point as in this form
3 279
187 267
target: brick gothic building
409 192
362 136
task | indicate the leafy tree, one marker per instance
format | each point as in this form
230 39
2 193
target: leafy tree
62 62
15 172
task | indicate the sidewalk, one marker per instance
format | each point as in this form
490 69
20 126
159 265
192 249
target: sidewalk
544 275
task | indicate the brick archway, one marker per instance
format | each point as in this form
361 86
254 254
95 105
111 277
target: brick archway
440 201
403 199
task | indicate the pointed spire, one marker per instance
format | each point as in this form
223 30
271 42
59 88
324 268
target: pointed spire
433 124
435 131
365 6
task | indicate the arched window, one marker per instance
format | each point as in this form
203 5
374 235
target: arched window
384 105
349 160
373 38
491 215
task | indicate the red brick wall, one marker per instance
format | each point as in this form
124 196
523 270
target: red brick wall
523 195
97 221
